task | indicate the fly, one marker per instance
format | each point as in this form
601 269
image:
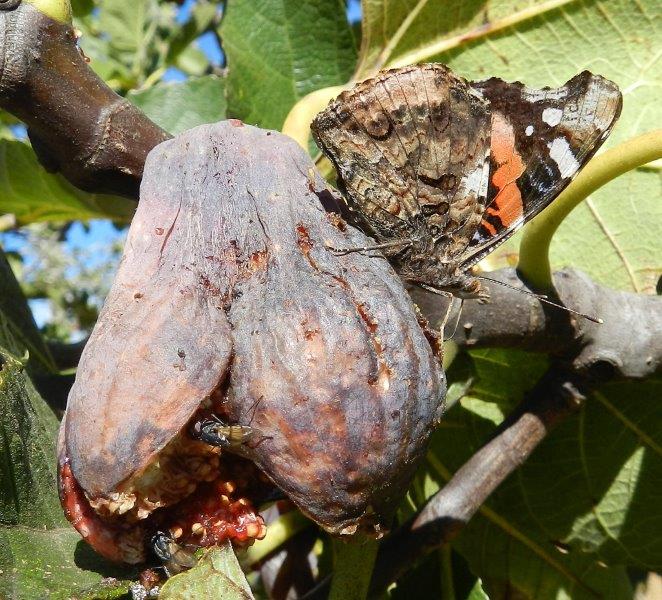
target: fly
175 558
215 432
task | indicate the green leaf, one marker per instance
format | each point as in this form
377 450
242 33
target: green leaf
31 194
126 22
180 106
27 477
217 575
280 50
582 507
613 235
137 34
40 553
81 8
546 43
477 592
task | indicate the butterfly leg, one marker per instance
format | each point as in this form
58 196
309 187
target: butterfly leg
384 246
442 326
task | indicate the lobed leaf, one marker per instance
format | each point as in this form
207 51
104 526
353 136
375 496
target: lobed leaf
179 106
581 509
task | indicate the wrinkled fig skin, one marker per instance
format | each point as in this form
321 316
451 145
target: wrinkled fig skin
227 277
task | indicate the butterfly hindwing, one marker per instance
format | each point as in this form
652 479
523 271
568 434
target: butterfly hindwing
410 148
540 140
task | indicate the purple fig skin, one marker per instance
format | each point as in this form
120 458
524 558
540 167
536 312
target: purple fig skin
229 281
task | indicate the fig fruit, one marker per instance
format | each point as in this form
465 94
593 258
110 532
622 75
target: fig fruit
232 305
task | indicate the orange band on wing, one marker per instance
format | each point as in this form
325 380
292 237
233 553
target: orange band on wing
507 204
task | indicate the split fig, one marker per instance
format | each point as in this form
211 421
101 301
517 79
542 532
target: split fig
230 303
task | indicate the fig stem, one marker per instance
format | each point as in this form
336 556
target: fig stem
354 562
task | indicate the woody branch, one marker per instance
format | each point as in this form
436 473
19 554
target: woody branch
76 123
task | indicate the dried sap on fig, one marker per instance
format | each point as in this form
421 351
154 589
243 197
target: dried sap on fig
229 309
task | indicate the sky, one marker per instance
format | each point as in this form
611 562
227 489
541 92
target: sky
99 232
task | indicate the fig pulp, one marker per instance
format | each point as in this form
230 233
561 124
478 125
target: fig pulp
231 299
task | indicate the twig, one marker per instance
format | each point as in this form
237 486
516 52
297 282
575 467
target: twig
557 395
620 347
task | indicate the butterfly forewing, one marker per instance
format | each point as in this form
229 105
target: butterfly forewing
410 148
540 141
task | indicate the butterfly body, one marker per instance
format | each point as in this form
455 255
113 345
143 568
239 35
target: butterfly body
442 170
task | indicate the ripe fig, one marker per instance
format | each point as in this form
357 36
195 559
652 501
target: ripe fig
232 303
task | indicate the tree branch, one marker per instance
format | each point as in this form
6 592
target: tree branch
76 123
620 347
556 396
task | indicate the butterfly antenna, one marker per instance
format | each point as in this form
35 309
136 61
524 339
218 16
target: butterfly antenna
543 298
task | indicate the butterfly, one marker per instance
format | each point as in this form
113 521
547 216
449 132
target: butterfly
440 170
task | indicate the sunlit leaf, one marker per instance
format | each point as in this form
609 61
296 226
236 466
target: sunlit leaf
180 106
280 50
217 575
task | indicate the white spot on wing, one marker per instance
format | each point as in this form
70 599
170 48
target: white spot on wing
486 175
529 130
474 179
533 95
562 155
552 116
478 179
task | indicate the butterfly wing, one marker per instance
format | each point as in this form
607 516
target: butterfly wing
410 148
540 140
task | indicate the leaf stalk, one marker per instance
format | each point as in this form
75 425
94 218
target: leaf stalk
534 249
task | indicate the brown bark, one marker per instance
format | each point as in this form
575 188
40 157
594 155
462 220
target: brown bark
76 123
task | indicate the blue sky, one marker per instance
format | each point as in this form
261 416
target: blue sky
103 230
208 44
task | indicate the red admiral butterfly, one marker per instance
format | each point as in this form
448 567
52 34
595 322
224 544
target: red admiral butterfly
440 170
